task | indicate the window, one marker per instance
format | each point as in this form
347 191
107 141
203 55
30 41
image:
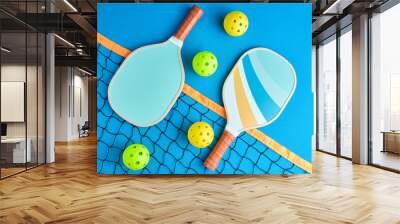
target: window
346 92
327 96
385 89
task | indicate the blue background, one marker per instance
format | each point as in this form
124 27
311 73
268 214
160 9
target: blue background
284 28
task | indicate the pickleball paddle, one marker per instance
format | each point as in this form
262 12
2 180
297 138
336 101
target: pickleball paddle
148 82
254 94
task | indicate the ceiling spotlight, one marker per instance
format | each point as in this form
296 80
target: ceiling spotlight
65 41
70 5
5 50
84 71
337 7
79 51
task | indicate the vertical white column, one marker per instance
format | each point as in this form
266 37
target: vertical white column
360 90
50 98
50 92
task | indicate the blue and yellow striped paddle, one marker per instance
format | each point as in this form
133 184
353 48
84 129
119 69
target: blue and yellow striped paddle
255 93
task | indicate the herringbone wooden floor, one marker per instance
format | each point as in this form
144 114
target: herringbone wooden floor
70 191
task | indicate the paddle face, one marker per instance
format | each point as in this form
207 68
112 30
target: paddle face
257 89
147 83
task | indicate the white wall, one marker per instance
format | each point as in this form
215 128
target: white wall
34 125
12 73
80 110
16 72
9 73
62 82
71 102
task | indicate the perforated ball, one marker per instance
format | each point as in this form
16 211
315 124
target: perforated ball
136 157
205 63
236 23
200 134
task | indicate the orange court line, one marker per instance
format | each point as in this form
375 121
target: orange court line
218 109
114 47
196 95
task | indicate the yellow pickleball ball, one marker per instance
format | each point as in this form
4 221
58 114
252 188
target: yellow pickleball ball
205 63
200 134
236 23
136 157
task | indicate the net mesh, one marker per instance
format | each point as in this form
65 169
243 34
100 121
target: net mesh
171 153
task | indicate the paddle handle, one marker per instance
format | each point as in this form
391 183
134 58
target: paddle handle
219 150
189 22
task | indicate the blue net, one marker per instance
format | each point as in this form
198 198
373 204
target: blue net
171 153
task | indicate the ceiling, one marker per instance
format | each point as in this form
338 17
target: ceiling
329 16
74 22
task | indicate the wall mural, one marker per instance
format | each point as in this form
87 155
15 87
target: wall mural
207 88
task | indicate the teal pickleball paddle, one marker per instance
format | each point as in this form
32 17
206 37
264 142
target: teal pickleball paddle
151 78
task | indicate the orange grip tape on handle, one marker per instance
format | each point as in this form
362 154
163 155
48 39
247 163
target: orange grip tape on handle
219 150
189 22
